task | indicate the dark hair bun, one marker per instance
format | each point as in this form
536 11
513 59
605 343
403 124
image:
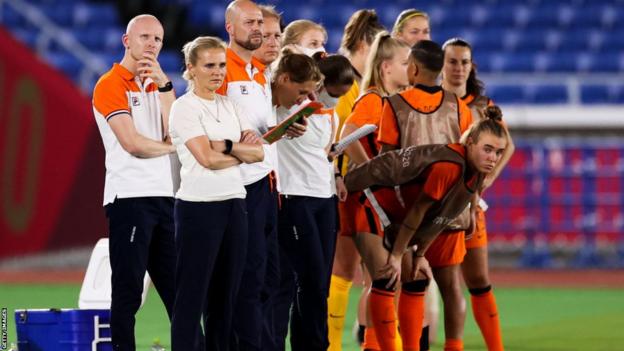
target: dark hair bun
493 112
319 56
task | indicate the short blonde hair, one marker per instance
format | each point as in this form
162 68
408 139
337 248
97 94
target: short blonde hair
191 53
296 29
405 16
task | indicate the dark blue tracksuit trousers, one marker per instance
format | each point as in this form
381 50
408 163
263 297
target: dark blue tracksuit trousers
141 237
307 236
211 241
253 325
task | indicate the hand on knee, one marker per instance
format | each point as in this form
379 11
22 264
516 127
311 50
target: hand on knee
415 286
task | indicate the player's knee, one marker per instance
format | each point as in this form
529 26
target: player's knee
478 280
416 286
480 291
382 285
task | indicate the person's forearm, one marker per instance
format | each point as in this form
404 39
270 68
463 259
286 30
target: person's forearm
246 153
166 100
409 228
143 147
213 159
407 232
356 153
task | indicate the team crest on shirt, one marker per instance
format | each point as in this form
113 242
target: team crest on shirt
136 101
244 90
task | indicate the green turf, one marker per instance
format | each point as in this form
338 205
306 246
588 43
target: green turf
532 319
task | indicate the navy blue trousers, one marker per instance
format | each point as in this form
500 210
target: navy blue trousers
211 241
141 237
253 326
307 237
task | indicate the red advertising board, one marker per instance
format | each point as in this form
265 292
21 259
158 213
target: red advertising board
51 157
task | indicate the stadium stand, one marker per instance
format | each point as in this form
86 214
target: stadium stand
535 52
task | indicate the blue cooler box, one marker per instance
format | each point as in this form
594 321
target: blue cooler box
61 330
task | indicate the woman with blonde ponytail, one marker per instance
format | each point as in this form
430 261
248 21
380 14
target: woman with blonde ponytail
358 36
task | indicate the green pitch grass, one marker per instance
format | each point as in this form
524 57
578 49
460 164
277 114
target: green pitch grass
532 319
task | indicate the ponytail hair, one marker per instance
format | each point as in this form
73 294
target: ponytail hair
492 122
383 48
473 85
362 27
191 52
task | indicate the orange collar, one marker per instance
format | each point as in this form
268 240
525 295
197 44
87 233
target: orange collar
122 71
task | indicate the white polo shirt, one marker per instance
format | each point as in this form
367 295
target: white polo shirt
246 84
303 163
117 92
219 119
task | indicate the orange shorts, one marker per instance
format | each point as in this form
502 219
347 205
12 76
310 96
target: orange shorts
367 220
479 237
347 211
448 249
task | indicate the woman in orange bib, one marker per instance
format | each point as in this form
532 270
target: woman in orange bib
460 76
416 192
385 74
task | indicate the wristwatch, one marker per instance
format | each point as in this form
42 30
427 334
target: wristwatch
228 146
168 87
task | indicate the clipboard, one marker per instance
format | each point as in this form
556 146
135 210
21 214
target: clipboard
278 131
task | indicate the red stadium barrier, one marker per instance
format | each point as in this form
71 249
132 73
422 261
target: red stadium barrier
51 157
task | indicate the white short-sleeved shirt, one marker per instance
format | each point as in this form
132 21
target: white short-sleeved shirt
303 164
219 119
247 85
119 92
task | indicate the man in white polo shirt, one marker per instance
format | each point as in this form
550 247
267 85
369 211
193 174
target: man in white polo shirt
247 85
131 104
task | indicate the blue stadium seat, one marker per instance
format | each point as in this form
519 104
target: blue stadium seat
28 37
531 41
198 13
60 14
608 63
602 94
482 60
171 61
66 63
388 16
589 16
574 41
595 94
517 63
505 94
544 16
295 11
546 94
10 18
334 38
501 16
95 14
613 41
488 40
456 18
